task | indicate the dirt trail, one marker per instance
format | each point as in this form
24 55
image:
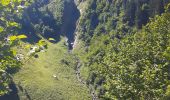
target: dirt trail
78 65
78 75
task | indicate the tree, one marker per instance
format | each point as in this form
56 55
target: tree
135 66
9 61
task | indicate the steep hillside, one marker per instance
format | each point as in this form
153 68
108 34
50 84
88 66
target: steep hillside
122 16
115 60
85 50
43 18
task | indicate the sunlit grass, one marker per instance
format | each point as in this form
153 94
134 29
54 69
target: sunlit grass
38 76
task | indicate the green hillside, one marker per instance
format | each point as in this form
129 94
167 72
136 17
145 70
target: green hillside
84 49
51 76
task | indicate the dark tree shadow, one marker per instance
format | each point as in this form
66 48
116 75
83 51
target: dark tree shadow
35 23
70 17
13 95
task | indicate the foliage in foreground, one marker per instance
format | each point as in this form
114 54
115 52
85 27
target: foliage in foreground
8 61
10 44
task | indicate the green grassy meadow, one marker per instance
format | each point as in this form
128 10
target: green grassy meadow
51 76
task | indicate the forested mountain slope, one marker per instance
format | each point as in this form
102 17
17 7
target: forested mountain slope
103 16
43 18
125 56
84 49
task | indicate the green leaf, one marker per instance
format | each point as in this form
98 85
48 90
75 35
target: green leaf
41 42
5 2
27 46
21 36
14 52
1 29
12 38
2 18
14 24
51 39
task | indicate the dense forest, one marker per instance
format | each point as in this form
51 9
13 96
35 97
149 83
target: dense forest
84 49
126 45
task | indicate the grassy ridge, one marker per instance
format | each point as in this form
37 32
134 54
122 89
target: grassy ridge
38 81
